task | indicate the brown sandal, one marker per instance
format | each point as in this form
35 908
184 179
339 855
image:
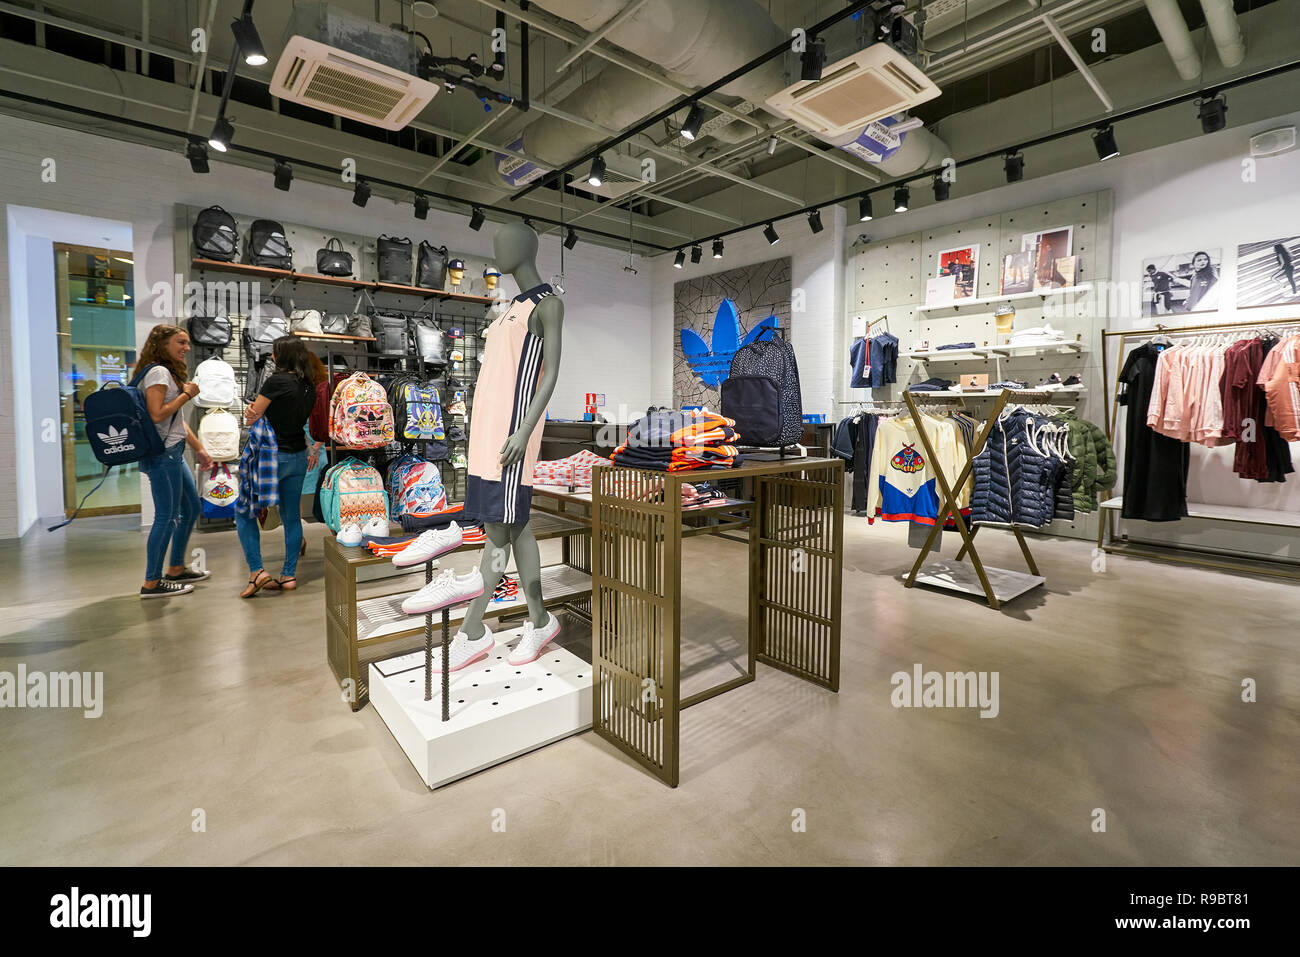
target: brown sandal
256 583
289 583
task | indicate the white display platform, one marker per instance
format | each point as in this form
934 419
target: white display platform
961 576
498 711
1227 513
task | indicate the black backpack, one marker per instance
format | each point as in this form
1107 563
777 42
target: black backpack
216 235
428 341
431 272
394 260
762 394
268 246
390 335
209 334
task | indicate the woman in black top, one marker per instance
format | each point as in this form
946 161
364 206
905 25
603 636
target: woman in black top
286 399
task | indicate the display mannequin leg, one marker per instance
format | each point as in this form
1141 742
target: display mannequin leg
496 559
528 560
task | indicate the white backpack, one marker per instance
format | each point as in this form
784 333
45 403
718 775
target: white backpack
219 433
220 490
216 381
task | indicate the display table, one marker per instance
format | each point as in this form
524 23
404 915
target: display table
795 538
364 592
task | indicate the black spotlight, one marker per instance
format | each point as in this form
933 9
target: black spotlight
571 239
197 154
1104 140
421 206
283 175
250 44
696 253
942 188
864 208
815 220
476 219
1213 113
222 134
901 197
680 259
717 249
597 175
1014 164
694 120
812 59
361 193
769 233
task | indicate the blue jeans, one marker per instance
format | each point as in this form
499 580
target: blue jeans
292 470
175 508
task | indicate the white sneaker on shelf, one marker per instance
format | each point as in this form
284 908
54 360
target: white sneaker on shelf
533 642
349 535
430 544
377 528
464 651
447 589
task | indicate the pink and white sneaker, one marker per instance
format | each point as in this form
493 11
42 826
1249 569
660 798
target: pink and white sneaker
534 641
465 651
447 589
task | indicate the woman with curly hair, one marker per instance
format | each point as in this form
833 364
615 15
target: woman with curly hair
175 499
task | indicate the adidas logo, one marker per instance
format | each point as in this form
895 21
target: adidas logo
115 440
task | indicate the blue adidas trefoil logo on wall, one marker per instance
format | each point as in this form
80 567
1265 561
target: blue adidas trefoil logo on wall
711 361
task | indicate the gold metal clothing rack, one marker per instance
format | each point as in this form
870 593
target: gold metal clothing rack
996 584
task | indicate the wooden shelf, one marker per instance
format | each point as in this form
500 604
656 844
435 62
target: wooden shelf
332 335
396 289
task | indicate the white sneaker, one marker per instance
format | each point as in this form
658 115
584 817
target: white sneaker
376 528
349 535
464 651
446 589
430 544
534 641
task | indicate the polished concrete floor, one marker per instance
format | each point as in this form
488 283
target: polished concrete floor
1120 690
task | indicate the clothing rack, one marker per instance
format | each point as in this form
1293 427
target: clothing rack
995 584
1190 555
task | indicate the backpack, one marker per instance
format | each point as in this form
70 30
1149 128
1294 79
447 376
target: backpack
762 394
209 333
216 381
417 410
218 491
394 260
352 492
264 325
428 342
334 262
390 335
118 425
431 271
360 416
414 488
359 325
219 433
216 235
268 246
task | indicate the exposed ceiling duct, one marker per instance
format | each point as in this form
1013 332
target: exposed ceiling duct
1221 21
1177 38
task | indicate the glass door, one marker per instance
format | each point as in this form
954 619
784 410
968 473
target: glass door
96 330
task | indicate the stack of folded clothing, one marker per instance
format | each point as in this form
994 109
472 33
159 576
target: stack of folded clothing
679 441
1043 335
571 472
931 385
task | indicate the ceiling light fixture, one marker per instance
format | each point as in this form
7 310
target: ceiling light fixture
696 253
283 175
1104 141
864 208
694 120
597 175
812 59
421 206
571 239
942 188
361 193
901 197
222 134
476 218
680 259
771 146
717 249
1014 165
1213 113
769 233
197 153
250 44
815 221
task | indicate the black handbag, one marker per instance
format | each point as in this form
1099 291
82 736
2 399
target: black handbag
335 323
209 331
394 260
334 262
431 272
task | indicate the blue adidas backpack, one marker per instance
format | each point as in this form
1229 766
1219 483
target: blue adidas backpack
118 425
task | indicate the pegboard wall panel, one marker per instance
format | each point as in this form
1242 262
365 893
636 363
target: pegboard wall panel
889 282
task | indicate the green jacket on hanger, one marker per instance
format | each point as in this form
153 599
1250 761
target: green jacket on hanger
1094 461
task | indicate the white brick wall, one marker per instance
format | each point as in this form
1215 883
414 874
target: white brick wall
608 317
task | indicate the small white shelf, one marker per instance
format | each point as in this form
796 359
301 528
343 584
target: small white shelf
947 355
992 352
991 393
1227 513
1015 297
1008 351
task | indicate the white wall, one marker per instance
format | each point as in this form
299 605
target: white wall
607 326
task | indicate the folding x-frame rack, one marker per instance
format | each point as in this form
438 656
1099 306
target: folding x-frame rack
995 584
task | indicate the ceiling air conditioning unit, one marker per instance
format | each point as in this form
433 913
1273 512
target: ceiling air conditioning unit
875 82
352 67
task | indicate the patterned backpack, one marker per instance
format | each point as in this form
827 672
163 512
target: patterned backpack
414 487
352 492
417 410
360 416
762 394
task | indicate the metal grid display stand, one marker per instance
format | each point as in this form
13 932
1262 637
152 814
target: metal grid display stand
996 584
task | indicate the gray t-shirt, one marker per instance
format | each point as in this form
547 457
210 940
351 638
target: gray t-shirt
172 428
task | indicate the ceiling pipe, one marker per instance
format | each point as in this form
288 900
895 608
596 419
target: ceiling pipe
1177 39
1225 30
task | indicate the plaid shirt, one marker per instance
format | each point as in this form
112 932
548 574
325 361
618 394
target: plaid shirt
259 473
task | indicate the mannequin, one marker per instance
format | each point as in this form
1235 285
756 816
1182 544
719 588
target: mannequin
499 486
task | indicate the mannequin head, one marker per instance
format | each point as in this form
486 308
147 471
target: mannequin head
515 244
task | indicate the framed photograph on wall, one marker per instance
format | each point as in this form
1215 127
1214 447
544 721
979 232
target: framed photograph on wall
1182 282
1048 245
962 264
1017 273
1268 272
